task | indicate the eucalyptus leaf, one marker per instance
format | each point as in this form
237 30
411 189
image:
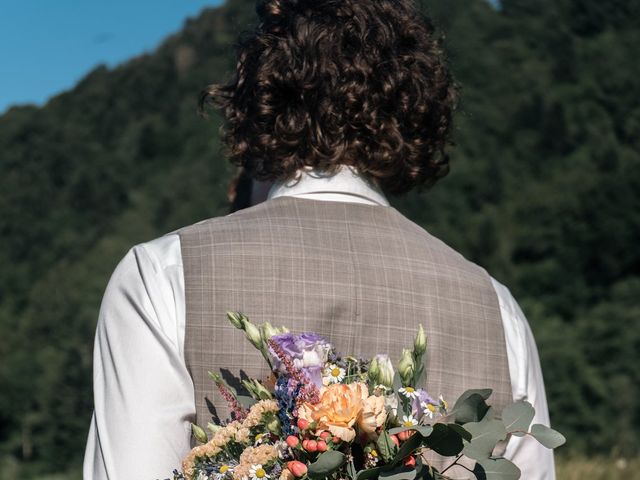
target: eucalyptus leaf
490 415
485 393
499 469
399 473
547 436
444 440
465 434
424 430
471 406
485 436
518 416
371 472
327 463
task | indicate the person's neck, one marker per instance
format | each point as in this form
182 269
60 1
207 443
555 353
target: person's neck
346 181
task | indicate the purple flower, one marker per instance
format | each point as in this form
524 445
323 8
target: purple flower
314 374
308 352
423 397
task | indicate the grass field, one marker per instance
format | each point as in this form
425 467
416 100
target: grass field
581 468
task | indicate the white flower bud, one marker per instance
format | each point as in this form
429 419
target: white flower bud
406 367
236 319
267 330
385 377
420 343
374 370
253 334
213 428
199 434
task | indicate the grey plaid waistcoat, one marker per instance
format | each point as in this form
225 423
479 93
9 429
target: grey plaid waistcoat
362 275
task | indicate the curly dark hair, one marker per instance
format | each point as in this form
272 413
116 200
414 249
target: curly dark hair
322 83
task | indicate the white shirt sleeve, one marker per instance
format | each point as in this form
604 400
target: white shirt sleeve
534 460
143 394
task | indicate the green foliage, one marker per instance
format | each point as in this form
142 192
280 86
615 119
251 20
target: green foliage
543 193
327 463
471 406
498 469
518 416
547 436
474 434
485 434
386 447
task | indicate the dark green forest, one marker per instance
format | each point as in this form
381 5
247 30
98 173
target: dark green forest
544 192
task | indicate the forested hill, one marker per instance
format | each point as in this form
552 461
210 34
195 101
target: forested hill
543 192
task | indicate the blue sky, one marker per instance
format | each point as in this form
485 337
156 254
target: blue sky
46 46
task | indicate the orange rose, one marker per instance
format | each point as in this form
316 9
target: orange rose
341 406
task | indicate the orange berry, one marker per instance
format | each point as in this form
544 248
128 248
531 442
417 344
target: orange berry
293 441
298 469
322 446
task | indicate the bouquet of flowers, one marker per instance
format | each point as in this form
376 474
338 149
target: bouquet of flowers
329 416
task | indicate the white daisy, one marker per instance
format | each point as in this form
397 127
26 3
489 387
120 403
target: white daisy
409 392
334 373
408 421
443 403
222 472
428 409
257 472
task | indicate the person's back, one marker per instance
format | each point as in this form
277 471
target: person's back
363 275
319 84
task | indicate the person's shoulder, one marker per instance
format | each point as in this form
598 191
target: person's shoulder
164 251
444 251
246 216
506 299
503 292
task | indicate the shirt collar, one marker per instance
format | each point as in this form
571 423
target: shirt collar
346 181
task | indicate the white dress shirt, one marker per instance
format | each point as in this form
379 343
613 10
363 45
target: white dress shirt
144 396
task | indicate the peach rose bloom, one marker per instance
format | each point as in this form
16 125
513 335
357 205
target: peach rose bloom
373 414
341 407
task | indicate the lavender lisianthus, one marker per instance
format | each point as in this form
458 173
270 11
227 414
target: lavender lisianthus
308 351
